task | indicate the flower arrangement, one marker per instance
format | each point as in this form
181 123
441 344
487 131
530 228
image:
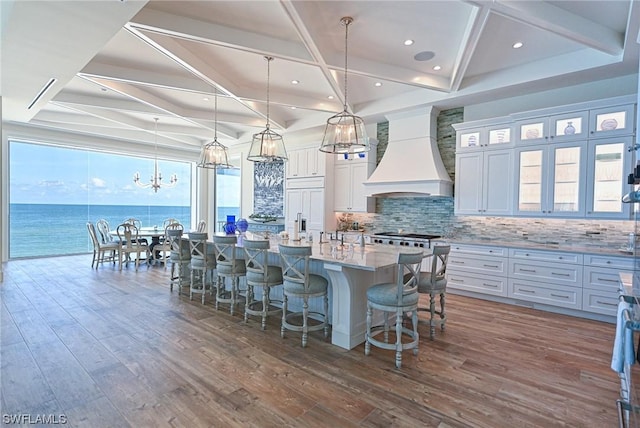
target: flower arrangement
262 218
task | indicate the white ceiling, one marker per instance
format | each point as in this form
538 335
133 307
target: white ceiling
120 63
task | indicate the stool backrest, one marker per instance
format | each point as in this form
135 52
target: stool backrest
178 246
256 255
408 275
201 253
439 262
295 263
225 248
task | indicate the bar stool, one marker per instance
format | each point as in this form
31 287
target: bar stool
396 298
298 282
434 283
228 266
260 274
203 264
179 256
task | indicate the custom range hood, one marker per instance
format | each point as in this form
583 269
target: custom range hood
411 165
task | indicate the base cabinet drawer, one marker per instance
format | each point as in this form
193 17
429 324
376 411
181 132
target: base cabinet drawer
481 265
603 279
554 273
600 301
548 294
479 250
494 285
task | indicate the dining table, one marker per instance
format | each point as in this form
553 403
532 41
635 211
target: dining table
351 269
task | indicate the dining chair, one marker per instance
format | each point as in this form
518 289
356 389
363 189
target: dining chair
128 235
202 226
100 249
434 284
260 274
138 224
167 221
202 266
180 257
396 298
229 266
300 283
103 228
162 251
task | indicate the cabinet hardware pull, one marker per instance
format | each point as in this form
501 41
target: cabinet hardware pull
456 262
608 261
528 291
559 295
456 279
491 266
489 285
606 303
615 281
527 270
560 274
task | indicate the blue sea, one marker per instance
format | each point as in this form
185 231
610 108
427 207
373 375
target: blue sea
37 230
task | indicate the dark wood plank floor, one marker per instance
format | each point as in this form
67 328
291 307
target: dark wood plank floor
113 349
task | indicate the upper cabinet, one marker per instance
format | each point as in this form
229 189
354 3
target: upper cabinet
612 121
307 162
484 136
553 129
350 172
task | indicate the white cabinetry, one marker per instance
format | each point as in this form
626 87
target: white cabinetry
307 162
612 121
483 135
349 191
602 282
484 183
546 277
311 203
476 268
569 126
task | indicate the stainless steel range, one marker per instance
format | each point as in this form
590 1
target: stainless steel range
404 239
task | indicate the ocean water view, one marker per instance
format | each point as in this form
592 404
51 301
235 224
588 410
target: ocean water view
37 230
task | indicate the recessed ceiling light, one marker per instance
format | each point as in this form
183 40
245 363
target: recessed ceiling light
408 42
293 107
295 82
424 56
517 45
103 89
205 99
437 68
378 84
330 97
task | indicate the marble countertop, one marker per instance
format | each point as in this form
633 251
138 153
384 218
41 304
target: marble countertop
532 244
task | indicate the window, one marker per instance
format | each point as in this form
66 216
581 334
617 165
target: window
54 191
227 195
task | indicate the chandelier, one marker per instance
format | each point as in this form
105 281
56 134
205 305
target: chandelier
156 179
267 146
214 154
345 132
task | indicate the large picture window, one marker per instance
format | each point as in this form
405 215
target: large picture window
54 191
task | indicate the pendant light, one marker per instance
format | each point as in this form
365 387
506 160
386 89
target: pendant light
214 155
267 146
345 132
156 179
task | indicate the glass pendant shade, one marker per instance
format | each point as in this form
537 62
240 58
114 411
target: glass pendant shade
345 132
267 146
214 155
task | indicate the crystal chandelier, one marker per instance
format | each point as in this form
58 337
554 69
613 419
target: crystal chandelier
214 154
345 132
156 179
267 146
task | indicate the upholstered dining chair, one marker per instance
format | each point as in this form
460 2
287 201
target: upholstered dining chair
300 283
104 230
167 221
434 284
228 266
180 258
138 224
203 265
396 299
128 236
100 249
260 274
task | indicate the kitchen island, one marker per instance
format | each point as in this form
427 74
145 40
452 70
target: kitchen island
351 270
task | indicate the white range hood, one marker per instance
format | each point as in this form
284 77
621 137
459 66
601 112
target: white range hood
411 164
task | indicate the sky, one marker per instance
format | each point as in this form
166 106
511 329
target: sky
40 174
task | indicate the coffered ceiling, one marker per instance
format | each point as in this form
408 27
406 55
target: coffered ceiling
120 63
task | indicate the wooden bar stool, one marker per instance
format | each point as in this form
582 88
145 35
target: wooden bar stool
228 267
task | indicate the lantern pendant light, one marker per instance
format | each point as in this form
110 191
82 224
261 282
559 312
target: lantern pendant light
267 146
345 132
214 155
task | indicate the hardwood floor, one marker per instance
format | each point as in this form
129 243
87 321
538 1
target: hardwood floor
111 349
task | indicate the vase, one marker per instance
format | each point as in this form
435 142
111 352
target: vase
569 129
230 228
242 225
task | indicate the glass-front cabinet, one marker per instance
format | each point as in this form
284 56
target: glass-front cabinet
550 180
553 129
485 137
611 121
609 160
